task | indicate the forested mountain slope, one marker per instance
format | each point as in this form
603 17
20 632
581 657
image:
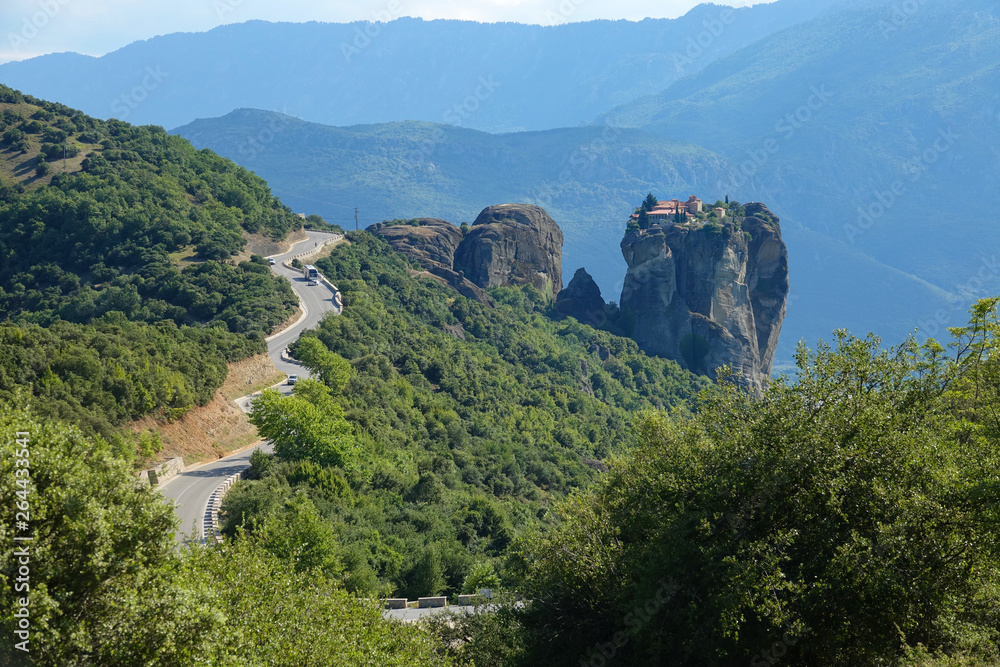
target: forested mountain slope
119 240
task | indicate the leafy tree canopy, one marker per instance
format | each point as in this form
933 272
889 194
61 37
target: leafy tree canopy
846 518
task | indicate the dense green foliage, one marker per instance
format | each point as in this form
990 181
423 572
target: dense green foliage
108 586
113 370
93 254
847 518
103 584
100 238
463 423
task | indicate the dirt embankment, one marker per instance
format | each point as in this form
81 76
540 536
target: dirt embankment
263 246
218 428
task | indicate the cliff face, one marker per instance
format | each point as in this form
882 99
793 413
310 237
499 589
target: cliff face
432 243
513 244
708 297
429 241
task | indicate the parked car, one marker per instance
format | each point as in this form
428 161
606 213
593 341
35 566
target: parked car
293 378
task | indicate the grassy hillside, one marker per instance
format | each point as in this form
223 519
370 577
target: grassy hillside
122 252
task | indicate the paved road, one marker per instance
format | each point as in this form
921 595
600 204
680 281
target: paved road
316 301
192 489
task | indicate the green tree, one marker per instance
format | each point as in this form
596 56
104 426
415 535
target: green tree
301 430
650 202
482 575
299 535
643 219
848 514
105 587
427 574
333 370
276 615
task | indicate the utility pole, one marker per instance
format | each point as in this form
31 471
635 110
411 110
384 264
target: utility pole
355 219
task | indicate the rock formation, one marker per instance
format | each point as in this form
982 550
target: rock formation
708 295
513 244
430 242
582 299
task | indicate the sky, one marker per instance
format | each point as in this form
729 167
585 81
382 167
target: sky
95 27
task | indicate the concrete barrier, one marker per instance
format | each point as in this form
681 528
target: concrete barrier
287 357
439 601
161 472
211 526
315 250
395 603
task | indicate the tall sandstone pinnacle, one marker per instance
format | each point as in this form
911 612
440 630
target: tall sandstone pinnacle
708 296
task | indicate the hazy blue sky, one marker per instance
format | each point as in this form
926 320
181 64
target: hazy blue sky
34 27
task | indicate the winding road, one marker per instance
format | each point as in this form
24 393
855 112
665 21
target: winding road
191 490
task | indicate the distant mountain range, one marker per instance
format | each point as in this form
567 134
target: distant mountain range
877 128
893 113
494 77
871 128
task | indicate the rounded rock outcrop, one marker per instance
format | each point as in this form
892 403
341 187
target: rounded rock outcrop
513 244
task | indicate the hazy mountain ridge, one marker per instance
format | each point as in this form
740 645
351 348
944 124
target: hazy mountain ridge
413 169
461 72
